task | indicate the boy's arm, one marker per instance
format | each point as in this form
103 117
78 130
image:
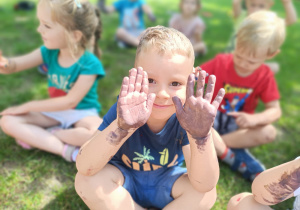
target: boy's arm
147 9
24 62
237 8
197 117
271 113
290 11
133 110
277 184
104 8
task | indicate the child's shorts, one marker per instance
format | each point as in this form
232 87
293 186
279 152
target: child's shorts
68 117
150 188
224 124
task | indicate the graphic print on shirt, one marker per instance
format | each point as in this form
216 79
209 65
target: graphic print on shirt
143 161
131 18
235 98
59 85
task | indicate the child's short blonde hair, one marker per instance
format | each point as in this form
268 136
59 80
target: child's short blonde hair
165 40
261 29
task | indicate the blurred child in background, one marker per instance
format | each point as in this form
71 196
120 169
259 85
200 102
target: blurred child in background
246 79
66 27
190 24
131 20
271 187
254 6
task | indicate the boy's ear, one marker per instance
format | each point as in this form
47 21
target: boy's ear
274 54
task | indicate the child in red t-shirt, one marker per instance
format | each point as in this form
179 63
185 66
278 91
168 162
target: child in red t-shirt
246 79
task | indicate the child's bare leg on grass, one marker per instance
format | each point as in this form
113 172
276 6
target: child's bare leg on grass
246 138
104 190
81 132
245 201
186 197
123 35
30 128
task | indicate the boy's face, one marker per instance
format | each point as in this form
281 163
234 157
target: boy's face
245 63
53 34
257 5
167 76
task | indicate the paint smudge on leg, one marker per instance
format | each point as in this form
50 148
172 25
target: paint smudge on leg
285 186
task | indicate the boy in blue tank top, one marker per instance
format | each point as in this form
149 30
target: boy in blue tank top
134 160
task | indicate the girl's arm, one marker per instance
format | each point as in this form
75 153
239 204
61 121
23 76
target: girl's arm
74 96
271 113
290 11
104 8
16 64
197 117
277 184
133 110
237 8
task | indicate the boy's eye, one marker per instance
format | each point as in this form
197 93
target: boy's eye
151 80
47 26
261 6
175 83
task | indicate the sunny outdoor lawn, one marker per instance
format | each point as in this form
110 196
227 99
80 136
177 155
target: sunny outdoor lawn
39 180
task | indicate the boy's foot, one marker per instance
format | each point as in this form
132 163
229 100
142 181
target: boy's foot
246 164
243 161
70 153
24 145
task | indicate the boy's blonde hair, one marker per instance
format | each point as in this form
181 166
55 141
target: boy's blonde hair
77 15
261 29
165 40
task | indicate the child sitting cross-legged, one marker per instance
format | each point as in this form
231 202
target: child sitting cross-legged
133 161
246 79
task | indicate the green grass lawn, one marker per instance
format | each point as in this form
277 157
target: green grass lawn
38 180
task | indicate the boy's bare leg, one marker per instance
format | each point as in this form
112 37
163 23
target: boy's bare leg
186 197
104 190
81 132
123 35
30 128
246 138
245 201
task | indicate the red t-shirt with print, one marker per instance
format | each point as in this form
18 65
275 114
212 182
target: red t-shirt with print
241 93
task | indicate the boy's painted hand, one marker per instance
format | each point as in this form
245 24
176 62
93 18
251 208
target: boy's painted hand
243 120
198 114
134 104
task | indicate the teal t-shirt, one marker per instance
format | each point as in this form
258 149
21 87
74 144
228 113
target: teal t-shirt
61 80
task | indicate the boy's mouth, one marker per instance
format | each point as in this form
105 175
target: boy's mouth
158 106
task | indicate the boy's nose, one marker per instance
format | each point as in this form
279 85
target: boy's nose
162 93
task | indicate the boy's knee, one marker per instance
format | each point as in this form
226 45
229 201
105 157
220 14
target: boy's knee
236 202
270 133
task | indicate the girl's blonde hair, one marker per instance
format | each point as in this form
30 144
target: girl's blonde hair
261 29
78 15
198 2
165 40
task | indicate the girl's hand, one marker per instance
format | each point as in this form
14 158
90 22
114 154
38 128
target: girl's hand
243 120
134 104
15 110
198 114
3 63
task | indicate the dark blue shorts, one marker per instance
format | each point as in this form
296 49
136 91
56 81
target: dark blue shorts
150 188
224 124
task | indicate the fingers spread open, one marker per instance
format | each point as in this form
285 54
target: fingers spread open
190 86
216 103
124 87
178 105
139 79
145 83
200 83
132 79
210 88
